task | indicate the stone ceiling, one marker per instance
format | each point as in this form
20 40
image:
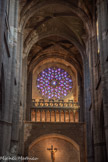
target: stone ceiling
55 47
55 29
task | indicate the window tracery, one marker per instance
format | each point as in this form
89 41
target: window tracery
54 83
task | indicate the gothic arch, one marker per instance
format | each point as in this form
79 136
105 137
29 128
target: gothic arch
30 9
45 55
34 38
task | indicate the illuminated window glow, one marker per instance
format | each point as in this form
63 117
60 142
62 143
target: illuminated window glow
54 83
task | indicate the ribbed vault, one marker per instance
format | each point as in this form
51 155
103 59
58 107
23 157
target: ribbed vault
55 47
55 29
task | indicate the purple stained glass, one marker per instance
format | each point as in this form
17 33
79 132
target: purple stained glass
54 83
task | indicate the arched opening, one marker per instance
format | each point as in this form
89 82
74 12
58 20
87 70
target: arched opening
54 57
66 148
55 38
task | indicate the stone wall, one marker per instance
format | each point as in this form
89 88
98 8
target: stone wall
9 75
73 131
66 152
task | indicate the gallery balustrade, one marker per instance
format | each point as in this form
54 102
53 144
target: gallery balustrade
54 111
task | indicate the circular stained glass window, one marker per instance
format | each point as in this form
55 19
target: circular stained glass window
54 83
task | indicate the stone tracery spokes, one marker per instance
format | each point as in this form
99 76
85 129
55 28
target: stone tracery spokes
54 83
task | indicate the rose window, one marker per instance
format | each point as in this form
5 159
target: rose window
54 83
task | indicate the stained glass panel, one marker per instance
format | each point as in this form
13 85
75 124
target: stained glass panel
54 83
